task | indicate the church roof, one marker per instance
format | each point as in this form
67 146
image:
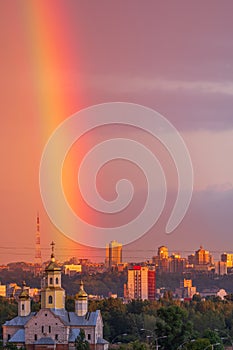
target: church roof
19 320
52 266
102 341
74 333
45 341
90 319
18 337
81 293
24 295
72 319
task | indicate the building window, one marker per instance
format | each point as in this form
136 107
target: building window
8 336
49 329
56 336
22 307
45 314
42 329
50 299
89 336
35 336
57 281
51 280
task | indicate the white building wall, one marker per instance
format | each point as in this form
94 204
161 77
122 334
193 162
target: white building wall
144 283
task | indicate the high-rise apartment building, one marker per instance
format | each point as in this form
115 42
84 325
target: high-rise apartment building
163 252
202 256
186 290
221 268
203 260
113 254
176 263
162 259
141 283
228 259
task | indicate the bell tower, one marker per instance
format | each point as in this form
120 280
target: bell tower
81 301
52 294
24 303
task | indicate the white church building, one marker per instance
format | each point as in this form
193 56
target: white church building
53 327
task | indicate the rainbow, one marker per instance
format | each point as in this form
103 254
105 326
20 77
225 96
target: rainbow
52 57
53 62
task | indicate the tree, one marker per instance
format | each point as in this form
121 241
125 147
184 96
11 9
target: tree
136 345
173 324
198 344
80 342
197 298
213 338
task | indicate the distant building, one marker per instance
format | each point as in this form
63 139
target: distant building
203 260
72 269
113 254
228 259
165 263
163 252
177 264
52 327
141 283
191 259
2 290
162 260
186 290
13 290
202 257
215 292
221 268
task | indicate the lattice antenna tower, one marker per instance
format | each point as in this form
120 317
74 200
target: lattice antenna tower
38 259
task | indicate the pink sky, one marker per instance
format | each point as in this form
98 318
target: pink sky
61 56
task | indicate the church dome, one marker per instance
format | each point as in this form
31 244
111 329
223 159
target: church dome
52 266
24 294
81 294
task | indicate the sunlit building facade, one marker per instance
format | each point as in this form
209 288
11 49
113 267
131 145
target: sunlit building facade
113 254
141 283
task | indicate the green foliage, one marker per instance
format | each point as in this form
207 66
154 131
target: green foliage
70 303
97 283
214 338
197 297
173 323
80 342
136 345
35 307
8 310
10 346
198 344
179 321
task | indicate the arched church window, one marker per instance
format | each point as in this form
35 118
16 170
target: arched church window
50 299
22 307
57 280
51 280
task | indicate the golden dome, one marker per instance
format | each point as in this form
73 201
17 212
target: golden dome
81 294
24 294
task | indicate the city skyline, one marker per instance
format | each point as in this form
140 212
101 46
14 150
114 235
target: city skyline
64 56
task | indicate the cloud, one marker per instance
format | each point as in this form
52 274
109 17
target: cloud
132 85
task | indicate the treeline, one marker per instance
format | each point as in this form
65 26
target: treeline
113 282
138 323
197 323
